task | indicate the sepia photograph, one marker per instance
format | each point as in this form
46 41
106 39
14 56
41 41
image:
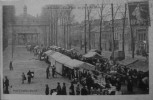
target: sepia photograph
99 48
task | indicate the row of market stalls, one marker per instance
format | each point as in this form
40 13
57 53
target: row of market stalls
60 61
55 54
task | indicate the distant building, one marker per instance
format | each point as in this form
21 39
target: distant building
27 29
141 39
106 34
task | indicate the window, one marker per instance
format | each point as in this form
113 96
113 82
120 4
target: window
144 36
120 36
139 37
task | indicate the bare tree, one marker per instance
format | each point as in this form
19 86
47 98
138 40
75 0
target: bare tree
70 19
115 12
90 20
102 7
123 15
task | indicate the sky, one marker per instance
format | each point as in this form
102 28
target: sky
34 7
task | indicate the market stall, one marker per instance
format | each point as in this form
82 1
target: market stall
139 65
74 64
127 61
49 52
59 63
52 58
95 50
87 66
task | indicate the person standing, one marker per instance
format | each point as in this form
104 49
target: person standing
53 71
71 92
83 91
47 72
87 91
47 90
6 83
58 89
91 91
78 89
11 65
118 84
23 78
130 84
29 76
63 91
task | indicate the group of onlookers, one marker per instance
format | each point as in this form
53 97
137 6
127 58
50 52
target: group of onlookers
48 72
30 75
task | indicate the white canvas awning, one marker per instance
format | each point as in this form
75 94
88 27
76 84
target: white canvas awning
56 55
140 65
79 64
74 63
92 55
49 52
127 61
63 59
88 66
53 57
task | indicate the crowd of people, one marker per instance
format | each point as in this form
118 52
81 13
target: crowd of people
76 90
113 75
121 75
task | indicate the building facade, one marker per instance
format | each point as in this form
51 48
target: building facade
27 29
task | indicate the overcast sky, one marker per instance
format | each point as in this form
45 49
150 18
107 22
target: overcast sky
34 7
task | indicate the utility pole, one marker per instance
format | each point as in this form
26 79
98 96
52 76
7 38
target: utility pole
124 19
54 29
132 41
67 32
12 41
85 31
64 34
57 13
89 28
51 26
69 28
113 32
100 27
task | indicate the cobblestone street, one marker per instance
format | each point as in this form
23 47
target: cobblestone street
23 62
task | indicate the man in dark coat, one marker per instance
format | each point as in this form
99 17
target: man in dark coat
47 90
29 76
58 89
118 84
89 82
11 66
71 92
47 72
83 91
130 84
63 91
6 83
53 71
